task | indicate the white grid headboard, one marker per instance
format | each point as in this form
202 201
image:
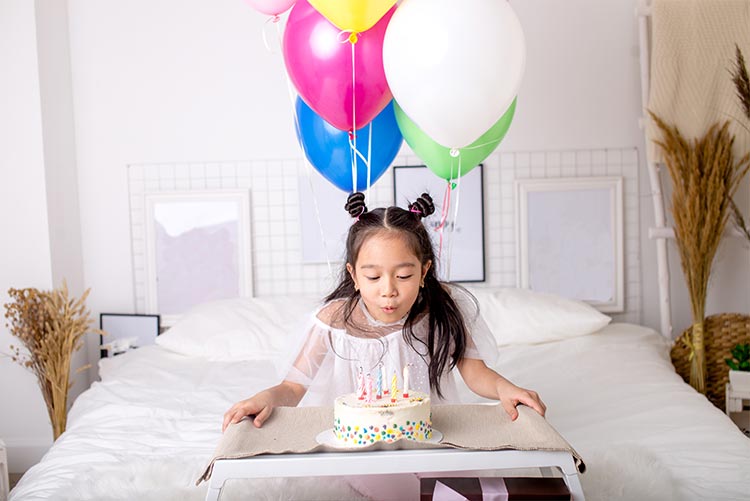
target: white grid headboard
278 267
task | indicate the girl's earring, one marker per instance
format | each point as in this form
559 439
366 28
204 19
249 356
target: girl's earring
421 284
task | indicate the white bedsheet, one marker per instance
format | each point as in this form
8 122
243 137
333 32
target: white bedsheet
147 430
149 427
643 432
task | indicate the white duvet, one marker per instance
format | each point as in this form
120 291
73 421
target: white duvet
150 426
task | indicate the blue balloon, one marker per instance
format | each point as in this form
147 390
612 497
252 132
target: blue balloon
327 148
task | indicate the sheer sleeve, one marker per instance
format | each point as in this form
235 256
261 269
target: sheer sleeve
481 343
313 349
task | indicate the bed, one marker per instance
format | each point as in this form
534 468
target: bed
149 427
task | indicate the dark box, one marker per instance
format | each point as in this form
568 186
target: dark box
510 488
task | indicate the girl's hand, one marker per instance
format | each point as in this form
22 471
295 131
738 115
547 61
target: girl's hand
489 384
511 396
261 405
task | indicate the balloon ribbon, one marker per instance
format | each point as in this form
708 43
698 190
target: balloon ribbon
444 215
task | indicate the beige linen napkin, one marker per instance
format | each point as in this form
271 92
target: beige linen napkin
473 427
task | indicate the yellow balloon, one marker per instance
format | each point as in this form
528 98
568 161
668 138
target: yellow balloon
353 15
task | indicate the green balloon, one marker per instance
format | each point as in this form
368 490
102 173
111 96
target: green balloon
438 158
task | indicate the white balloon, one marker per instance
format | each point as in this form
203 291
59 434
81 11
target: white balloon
454 66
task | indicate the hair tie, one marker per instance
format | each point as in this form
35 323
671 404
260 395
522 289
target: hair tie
422 206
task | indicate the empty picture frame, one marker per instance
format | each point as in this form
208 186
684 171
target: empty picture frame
197 249
324 222
570 238
461 255
126 330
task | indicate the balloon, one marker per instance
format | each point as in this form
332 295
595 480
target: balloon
454 67
327 148
320 67
271 7
439 159
353 15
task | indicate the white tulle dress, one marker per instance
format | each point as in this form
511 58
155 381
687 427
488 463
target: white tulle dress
332 351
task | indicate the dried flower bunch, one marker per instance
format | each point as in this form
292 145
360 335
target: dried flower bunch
704 176
741 81
50 325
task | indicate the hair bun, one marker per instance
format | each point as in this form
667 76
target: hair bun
422 206
355 204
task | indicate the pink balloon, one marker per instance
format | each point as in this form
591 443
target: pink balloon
271 7
318 59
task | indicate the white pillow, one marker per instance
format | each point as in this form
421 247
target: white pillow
522 316
238 329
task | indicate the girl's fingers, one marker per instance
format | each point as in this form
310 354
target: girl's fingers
535 403
510 408
235 414
264 414
228 418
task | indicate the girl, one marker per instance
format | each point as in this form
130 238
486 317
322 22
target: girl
389 310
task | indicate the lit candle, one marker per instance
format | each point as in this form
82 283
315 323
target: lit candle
385 378
406 381
379 383
368 388
394 387
360 385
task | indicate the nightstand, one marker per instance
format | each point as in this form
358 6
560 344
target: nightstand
735 404
4 482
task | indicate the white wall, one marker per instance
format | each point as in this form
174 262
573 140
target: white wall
25 258
190 80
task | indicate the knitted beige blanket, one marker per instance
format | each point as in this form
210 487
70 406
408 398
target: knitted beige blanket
692 55
477 427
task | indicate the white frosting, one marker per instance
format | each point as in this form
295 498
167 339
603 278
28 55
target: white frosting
358 422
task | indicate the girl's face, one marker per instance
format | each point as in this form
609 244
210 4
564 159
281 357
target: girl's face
388 275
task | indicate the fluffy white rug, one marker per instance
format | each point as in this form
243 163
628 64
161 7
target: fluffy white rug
174 480
625 473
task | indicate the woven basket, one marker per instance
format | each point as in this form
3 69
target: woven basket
721 332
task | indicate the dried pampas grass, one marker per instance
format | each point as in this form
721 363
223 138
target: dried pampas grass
705 176
741 81
50 325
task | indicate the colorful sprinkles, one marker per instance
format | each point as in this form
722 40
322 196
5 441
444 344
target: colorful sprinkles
419 430
385 432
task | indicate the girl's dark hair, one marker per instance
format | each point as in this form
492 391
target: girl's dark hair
447 332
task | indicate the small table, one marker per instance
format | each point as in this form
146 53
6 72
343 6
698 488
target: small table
734 399
391 462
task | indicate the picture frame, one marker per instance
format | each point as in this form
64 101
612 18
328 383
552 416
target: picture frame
570 239
461 257
321 201
126 331
198 249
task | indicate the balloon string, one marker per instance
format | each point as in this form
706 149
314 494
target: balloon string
357 152
308 170
443 216
455 221
353 133
350 35
365 160
275 20
481 145
369 157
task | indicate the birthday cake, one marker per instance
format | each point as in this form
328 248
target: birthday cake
361 421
